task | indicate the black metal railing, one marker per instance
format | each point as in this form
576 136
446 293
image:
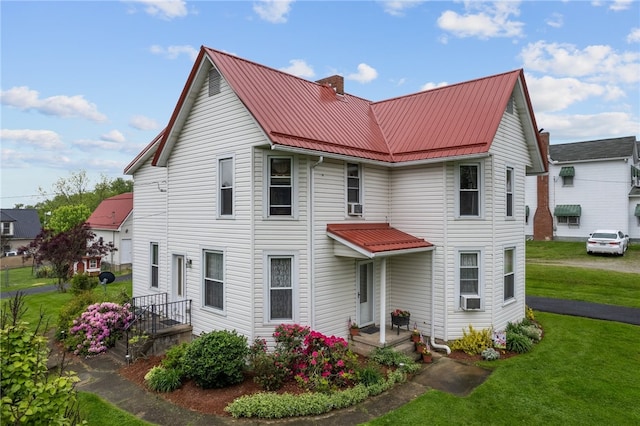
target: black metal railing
153 313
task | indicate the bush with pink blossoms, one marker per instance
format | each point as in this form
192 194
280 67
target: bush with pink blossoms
98 328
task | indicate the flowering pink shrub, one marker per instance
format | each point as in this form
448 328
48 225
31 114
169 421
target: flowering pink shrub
318 362
98 328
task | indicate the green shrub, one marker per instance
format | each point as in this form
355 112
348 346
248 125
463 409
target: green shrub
83 282
269 372
44 272
517 342
533 332
162 379
370 375
390 357
490 354
174 357
473 342
216 359
72 310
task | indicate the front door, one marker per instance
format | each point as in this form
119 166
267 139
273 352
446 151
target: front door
365 293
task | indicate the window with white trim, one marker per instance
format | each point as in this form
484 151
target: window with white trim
280 186
469 189
7 228
213 286
280 288
470 273
93 263
469 285
509 192
154 261
354 189
225 186
509 274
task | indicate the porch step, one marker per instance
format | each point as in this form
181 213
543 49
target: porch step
363 344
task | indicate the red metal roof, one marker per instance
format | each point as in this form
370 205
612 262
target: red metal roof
456 120
376 238
112 212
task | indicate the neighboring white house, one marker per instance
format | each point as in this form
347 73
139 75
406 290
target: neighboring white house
112 221
591 185
271 199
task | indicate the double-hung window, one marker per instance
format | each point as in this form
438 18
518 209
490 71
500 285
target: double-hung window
280 288
354 189
6 228
280 186
155 258
509 192
509 274
469 280
225 179
213 279
469 189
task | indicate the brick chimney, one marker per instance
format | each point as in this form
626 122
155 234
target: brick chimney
542 219
335 81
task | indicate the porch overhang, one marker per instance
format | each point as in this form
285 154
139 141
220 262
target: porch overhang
373 240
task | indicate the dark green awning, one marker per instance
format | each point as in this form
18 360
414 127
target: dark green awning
567 210
637 213
567 171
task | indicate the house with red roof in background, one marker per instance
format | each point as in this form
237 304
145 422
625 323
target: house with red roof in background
271 199
112 221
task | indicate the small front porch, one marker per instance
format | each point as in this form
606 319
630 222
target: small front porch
367 341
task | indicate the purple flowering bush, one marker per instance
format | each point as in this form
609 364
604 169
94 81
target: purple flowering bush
98 328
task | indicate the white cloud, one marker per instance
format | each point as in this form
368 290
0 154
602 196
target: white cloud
61 106
101 145
598 62
634 36
365 74
274 11
430 85
113 136
397 7
589 126
164 9
483 20
22 159
141 122
619 5
172 52
555 94
556 20
44 139
299 68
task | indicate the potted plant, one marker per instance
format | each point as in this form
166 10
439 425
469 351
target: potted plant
415 334
427 358
354 330
420 346
400 318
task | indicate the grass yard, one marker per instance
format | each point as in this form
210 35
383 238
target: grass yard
98 412
22 278
583 372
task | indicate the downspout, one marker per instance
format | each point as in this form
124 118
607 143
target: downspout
435 345
383 300
312 245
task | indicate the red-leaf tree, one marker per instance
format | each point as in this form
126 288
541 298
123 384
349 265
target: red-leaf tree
62 249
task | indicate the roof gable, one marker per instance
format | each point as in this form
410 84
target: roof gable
296 114
112 212
602 149
26 222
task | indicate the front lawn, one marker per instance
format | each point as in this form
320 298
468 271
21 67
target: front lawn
583 372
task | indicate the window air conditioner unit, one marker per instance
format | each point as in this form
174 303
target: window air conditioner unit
470 303
355 209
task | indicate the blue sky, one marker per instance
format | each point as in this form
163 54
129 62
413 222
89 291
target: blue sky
85 85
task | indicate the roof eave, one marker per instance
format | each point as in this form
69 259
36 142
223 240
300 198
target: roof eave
377 254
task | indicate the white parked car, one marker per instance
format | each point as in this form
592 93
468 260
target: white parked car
607 241
11 253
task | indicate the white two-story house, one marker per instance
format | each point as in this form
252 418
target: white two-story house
271 199
590 185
